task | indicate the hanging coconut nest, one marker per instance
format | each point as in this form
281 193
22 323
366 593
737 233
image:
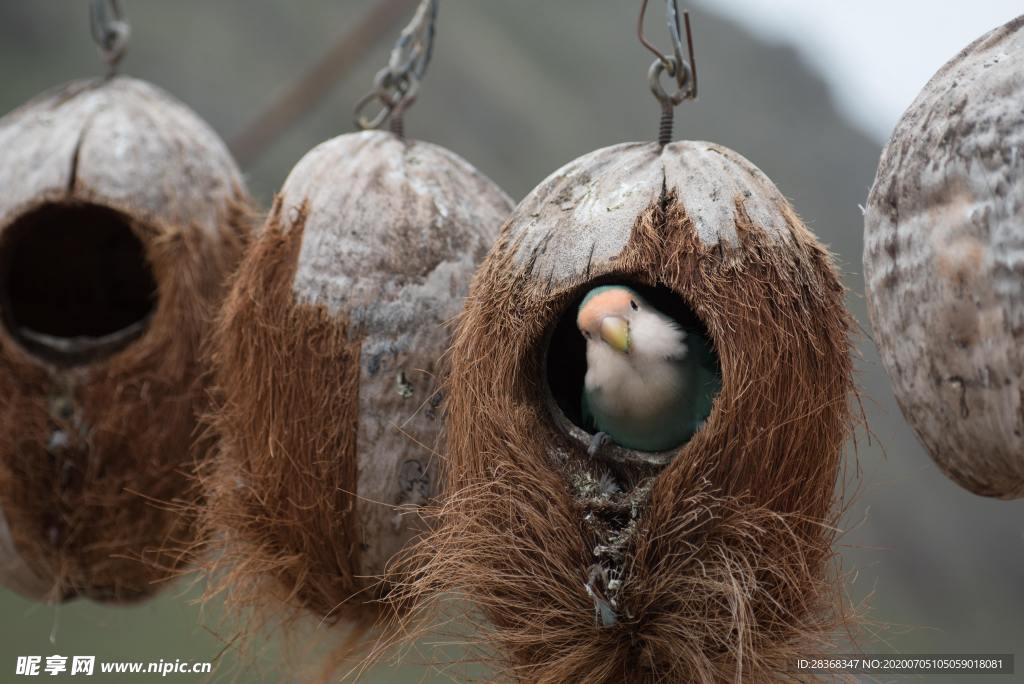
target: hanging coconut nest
708 562
121 215
327 366
944 264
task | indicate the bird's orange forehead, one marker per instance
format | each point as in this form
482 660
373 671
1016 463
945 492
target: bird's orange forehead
614 301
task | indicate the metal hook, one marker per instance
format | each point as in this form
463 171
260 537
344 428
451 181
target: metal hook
683 69
671 63
415 45
110 31
397 84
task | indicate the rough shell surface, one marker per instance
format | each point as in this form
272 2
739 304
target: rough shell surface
393 234
944 264
126 145
328 363
581 217
123 143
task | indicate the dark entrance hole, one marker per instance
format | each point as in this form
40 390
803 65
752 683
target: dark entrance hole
566 357
75 282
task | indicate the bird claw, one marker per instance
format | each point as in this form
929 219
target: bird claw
596 442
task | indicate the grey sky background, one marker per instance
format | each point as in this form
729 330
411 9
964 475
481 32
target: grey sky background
875 55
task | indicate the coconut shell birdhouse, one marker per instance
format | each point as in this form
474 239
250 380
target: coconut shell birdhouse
705 561
593 551
120 217
944 264
327 365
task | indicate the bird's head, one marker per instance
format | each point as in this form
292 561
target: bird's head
617 316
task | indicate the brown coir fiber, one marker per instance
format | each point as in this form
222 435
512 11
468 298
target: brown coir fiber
326 367
99 515
99 405
726 571
284 532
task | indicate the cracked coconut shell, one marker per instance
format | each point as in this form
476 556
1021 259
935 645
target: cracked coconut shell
944 264
327 363
708 563
121 214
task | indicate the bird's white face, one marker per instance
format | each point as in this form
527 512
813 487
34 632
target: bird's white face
620 320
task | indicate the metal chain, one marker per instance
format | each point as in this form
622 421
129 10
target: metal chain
110 31
682 69
396 86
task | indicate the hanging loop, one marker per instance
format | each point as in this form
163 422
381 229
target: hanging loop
683 69
110 31
395 86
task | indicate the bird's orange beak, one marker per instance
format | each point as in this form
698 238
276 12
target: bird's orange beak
615 331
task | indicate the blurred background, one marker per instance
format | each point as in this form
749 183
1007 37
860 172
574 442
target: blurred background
809 91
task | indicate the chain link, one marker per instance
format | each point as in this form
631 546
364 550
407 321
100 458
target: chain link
681 68
396 86
110 31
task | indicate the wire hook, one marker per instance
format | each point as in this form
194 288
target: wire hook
396 86
110 31
683 69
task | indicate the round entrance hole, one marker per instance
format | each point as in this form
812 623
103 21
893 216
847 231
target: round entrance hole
566 366
75 282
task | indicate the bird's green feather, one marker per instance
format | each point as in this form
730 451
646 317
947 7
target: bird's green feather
604 288
586 414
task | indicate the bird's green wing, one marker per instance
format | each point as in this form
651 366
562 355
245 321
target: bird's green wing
585 412
708 381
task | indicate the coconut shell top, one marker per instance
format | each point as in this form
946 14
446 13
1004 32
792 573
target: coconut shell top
121 143
328 364
944 264
706 563
121 215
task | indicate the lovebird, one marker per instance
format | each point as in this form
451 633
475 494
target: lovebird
649 383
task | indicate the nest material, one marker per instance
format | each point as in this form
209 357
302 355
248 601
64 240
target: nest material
944 264
326 362
717 566
96 439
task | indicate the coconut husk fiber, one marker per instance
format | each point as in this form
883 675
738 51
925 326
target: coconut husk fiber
326 364
121 216
944 264
716 559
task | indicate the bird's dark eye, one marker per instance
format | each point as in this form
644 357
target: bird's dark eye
632 303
